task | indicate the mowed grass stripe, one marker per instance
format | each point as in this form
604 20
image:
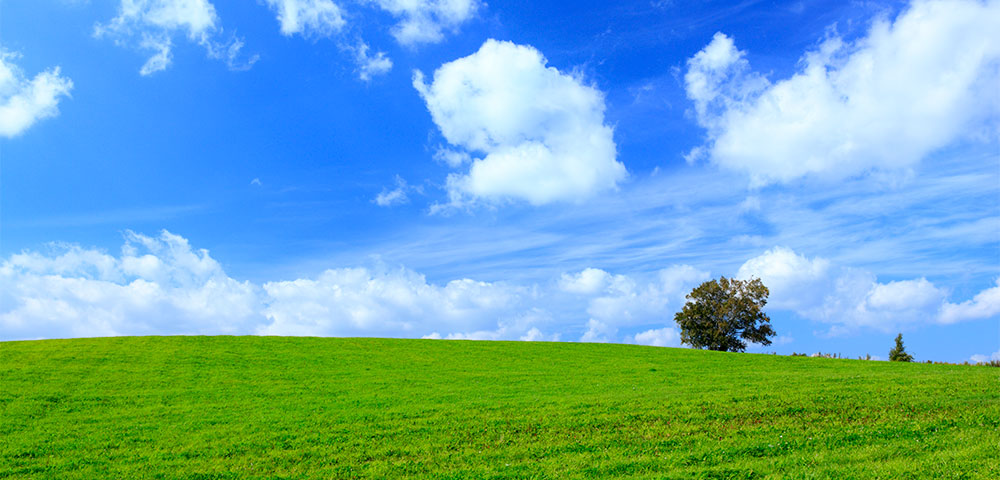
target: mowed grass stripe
273 407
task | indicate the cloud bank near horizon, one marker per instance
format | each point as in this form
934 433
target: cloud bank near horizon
851 298
162 285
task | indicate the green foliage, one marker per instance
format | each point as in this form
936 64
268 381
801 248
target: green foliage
304 408
720 314
898 353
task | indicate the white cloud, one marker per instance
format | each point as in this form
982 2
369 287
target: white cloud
598 332
160 44
985 304
370 65
151 24
588 281
158 285
24 102
677 280
851 298
308 17
904 295
662 337
396 196
542 131
883 102
161 285
359 301
521 327
229 52
985 358
795 282
388 198
619 301
424 21
533 335
452 158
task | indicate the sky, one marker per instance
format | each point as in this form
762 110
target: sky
457 169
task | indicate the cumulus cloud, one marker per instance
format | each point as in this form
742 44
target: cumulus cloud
662 337
359 301
534 335
985 358
541 132
619 301
158 285
162 285
587 281
24 101
908 87
795 282
310 18
151 25
425 21
598 332
985 304
851 298
370 65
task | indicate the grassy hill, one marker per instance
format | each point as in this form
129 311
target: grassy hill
268 407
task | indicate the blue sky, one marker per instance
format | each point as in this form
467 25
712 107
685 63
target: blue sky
510 170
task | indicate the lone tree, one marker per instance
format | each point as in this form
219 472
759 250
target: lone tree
721 314
898 353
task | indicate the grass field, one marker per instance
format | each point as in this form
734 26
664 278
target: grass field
270 407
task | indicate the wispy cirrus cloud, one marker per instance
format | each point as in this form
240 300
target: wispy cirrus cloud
152 25
398 195
314 19
940 223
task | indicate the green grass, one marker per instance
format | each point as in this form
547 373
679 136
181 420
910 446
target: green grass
269 407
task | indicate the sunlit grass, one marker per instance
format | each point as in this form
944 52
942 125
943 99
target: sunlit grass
269 407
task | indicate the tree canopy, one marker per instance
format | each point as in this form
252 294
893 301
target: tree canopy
724 314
